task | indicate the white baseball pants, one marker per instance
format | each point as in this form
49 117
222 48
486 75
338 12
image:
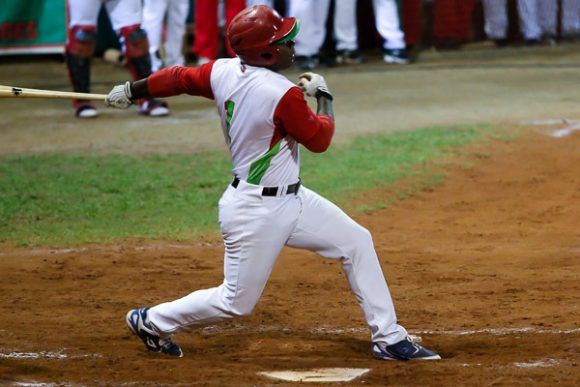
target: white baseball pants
537 17
269 3
388 24
154 14
313 16
123 13
571 17
255 229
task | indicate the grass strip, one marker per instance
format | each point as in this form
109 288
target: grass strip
74 199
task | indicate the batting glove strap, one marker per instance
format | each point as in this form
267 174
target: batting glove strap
322 91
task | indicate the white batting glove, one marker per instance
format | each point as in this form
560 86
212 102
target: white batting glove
313 85
120 96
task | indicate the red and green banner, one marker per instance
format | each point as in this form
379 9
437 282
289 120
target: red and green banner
32 26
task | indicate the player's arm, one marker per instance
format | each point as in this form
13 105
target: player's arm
294 117
164 83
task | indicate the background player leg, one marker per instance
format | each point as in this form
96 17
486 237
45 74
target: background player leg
312 16
176 18
125 17
153 17
80 47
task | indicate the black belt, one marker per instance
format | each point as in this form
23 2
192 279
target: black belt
272 191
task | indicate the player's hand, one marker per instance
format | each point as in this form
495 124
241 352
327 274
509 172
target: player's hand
120 96
313 85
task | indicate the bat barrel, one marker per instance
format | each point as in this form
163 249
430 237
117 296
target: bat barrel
18 92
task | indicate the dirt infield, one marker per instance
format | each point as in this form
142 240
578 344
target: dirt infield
484 267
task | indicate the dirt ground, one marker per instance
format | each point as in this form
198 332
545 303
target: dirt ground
485 267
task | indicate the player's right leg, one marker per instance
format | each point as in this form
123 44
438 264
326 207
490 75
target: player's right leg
254 229
176 18
312 16
327 230
80 47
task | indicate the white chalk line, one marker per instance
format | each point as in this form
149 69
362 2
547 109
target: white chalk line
572 125
60 355
324 330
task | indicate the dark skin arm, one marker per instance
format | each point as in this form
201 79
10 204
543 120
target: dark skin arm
324 104
139 89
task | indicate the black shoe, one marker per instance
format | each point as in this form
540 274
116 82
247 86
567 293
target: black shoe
404 350
349 57
396 56
307 63
138 323
503 42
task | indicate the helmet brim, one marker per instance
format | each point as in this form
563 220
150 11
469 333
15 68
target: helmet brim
288 31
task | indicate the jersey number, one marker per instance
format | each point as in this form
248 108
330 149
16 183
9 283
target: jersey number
229 105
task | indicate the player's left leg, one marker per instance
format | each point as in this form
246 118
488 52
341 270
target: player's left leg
125 17
346 32
327 230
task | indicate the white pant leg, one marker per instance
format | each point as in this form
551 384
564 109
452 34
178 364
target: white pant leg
529 19
548 17
176 18
153 17
269 3
83 12
255 229
570 17
388 25
312 15
496 18
327 230
345 28
124 13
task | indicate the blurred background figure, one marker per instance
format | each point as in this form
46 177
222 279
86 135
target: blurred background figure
206 29
174 14
538 20
313 16
125 16
570 19
389 27
269 3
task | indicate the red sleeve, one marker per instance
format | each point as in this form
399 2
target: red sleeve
181 80
294 117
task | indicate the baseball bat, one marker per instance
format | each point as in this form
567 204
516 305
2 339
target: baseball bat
20 92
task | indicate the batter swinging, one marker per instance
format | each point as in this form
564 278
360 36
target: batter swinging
264 118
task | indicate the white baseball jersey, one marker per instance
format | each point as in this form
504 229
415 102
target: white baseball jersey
259 156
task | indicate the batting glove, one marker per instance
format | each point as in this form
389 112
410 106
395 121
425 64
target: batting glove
120 96
314 85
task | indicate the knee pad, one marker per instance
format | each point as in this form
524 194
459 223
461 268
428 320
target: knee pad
135 41
82 41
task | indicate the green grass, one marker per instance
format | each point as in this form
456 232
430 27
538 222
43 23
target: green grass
67 200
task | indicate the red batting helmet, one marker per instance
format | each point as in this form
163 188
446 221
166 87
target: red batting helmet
255 32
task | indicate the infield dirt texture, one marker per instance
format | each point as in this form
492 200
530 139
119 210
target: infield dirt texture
485 266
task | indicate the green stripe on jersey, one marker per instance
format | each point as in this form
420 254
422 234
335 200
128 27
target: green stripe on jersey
260 166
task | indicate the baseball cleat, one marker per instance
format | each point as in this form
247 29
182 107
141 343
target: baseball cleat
403 350
138 323
86 110
154 108
399 56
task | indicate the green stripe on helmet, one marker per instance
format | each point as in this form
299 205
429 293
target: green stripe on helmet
290 36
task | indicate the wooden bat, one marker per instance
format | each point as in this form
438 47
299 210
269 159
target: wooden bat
20 92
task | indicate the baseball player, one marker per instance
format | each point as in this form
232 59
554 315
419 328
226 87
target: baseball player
125 17
538 19
264 118
154 13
